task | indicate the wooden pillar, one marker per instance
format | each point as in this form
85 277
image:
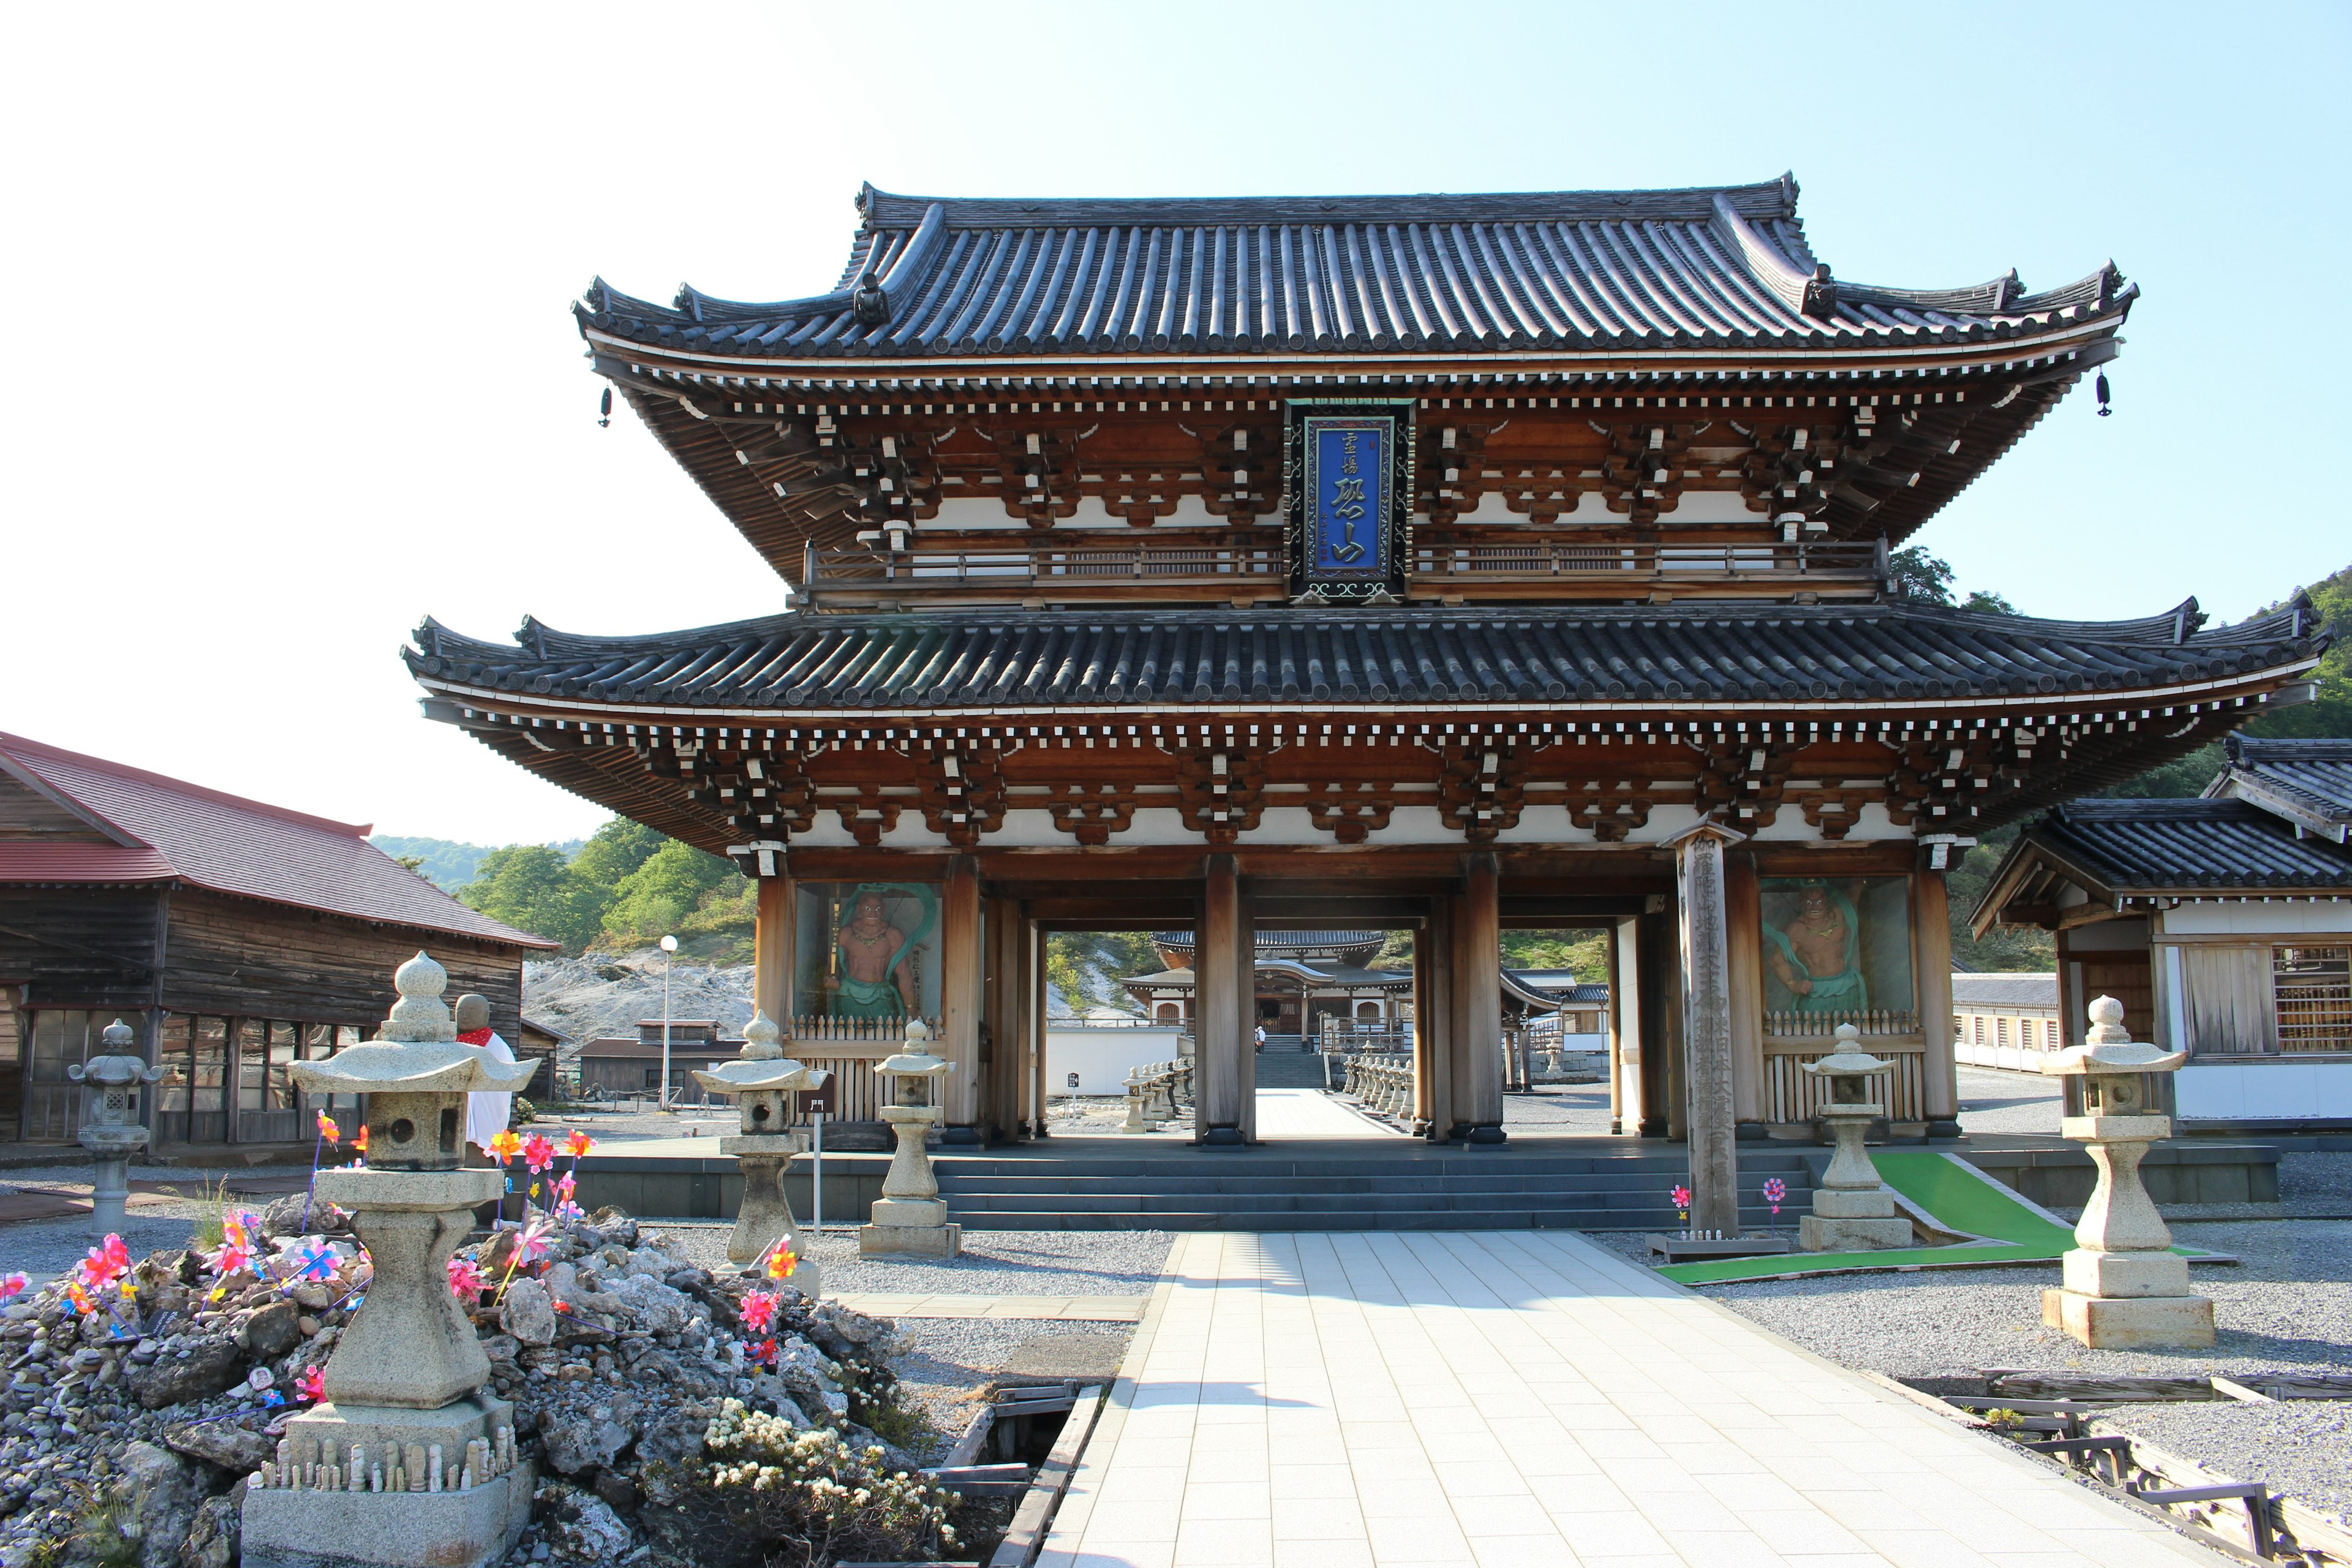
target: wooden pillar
1661 984
1706 1025
1625 1026
960 1001
1224 1067
1033 1027
1432 1020
1477 1044
1001 1058
771 951
1931 910
1743 906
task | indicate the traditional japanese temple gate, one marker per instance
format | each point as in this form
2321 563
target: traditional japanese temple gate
1451 562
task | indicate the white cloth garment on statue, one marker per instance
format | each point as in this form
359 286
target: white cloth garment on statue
487 1114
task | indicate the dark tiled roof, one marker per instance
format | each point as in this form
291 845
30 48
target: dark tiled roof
1729 265
2311 778
165 828
2004 990
2168 845
1689 651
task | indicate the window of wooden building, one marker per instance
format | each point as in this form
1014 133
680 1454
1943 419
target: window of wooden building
2312 989
61 1038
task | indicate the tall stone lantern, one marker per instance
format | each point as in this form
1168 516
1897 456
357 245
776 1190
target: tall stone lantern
759 1080
110 1121
909 1218
2123 1287
404 1386
1851 1208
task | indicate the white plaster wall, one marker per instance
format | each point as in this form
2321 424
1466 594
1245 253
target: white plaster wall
2284 918
1101 1057
2275 1089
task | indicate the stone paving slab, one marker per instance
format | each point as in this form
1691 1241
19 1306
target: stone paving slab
1524 1398
1067 1308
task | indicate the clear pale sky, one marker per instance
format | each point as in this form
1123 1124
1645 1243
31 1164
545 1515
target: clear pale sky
290 362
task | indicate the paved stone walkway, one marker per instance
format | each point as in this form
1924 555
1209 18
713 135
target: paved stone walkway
1066 1308
1524 1399
1286 1114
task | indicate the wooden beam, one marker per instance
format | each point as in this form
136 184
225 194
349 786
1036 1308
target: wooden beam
1221 963
1476 1048
959 998
2086 915
771 950
1932 941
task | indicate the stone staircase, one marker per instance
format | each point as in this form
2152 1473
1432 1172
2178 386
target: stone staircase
1388 1185
1291 1068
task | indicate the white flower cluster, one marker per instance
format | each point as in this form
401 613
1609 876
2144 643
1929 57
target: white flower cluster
826 1472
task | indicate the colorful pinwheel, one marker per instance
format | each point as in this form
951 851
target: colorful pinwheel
328 1129
316 1260
1775 1190
13 1286
311 1386
359 1143
577 1143
781 1261
106 1263
465 1280
538 1153
506 1146
758 1311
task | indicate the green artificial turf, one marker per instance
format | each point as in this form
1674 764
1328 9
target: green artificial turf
1959 1198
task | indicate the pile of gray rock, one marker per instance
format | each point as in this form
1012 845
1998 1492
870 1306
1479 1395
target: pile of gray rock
130 1432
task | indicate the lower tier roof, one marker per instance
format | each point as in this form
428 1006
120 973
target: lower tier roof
1688 651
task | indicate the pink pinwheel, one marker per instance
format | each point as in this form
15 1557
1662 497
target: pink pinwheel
106 1263
763 1354
538 1153
231 1256
13 1286
465 1280
758 1311
311 1386
530 1242
1775 1190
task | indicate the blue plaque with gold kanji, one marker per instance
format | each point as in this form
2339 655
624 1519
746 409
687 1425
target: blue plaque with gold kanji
1349 473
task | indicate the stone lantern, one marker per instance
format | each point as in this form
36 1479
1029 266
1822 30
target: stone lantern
2123 1287
404 1384
110 1121
909 1218
759 1080
1851 1208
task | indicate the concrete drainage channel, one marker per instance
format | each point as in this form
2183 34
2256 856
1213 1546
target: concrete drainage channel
2055 1415
1025 1443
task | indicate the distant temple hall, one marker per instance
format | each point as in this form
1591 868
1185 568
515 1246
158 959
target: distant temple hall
1444 563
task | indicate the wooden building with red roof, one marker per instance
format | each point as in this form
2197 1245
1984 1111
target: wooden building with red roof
234 936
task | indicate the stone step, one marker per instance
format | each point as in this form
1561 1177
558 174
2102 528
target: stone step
1409 1160
1327 1202
1357 1220
1595 1181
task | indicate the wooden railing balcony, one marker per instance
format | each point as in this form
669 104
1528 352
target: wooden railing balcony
1144 573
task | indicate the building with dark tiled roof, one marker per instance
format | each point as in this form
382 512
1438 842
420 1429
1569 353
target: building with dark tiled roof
2223 925
1453 562
233 936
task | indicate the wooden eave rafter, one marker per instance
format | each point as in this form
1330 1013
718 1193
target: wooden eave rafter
569 741
717 421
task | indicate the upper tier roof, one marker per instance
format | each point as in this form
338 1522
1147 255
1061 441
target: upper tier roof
149 829
1694 651
948 278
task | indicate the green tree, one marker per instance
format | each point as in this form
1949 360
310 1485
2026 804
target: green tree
670 885
615 849
1914 574
531 887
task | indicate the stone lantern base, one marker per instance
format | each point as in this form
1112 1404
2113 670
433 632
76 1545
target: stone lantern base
1817 1233
470 1528
2135 1300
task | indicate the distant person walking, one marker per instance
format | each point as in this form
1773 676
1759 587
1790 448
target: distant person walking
1261 1037
487 1115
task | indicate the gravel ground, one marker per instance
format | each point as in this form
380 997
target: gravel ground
1992 1100
995 1262
955 1359
1577 1108
2287 1305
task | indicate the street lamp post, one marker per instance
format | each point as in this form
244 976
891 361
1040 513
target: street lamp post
668 948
